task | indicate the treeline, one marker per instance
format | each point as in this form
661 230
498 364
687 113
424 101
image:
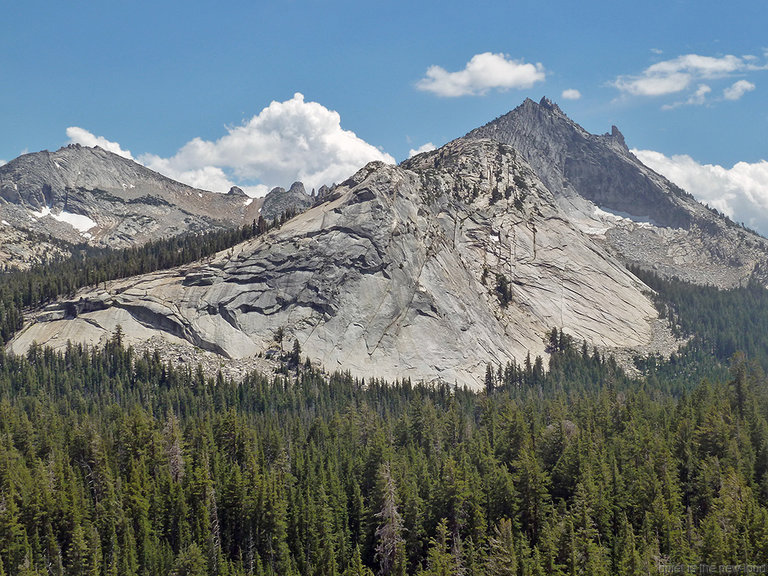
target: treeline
90 266
720 322
112 463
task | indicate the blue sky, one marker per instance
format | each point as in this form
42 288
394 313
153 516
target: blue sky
184 86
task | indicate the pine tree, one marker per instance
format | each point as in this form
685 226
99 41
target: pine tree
440 560
356 566
190 562
389 534
502 558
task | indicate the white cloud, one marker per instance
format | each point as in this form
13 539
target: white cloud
741 192
78 135
696 99
679 74
2 162
571 94
738 89
428 147
285 142
484 72
653 85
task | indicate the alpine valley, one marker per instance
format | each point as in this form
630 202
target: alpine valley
456 259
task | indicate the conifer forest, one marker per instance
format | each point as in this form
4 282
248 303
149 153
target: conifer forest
115 463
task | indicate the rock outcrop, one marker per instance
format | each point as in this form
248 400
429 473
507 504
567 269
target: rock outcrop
636 212
280 201
429 270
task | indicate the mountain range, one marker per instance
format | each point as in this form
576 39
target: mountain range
432 269
52 201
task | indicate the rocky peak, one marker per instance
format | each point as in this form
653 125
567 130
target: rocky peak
279 201
640 214
550 105
237 191
297 188
570 160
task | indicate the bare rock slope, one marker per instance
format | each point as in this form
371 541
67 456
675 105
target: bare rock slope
643 217
429 270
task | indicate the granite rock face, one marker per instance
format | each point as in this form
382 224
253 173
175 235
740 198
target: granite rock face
458 257
605 190
396 275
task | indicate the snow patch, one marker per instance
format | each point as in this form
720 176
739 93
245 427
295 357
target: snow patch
45 211
200 194
617 216
248 202
77 221
5 222
599 220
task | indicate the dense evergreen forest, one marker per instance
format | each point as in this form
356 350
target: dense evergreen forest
117 464
720 322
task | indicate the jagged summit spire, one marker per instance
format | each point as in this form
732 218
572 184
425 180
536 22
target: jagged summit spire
569 159
550 105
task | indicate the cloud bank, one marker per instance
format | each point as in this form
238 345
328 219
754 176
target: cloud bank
740 192
81 136
484 72
285 142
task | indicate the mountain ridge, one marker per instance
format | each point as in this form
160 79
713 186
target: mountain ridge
431 270
80 194
639 214
396 275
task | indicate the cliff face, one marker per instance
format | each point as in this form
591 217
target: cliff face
636 212
430 270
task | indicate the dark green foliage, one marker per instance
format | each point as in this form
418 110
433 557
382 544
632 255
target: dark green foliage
721 322
112 463
503 290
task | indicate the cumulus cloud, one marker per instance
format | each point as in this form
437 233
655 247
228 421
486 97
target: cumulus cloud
286 141
682 73
571 94
428 147
696 99
484 72
741 192
79 135
738 89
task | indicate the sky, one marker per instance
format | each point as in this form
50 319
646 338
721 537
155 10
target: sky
259 94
